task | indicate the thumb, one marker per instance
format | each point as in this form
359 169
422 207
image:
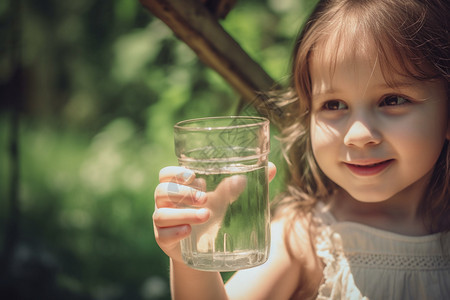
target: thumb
232 187
272 171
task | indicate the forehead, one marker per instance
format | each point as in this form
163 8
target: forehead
339 55
352 48
345 42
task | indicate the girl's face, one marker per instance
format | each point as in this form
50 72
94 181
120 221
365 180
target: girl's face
374 141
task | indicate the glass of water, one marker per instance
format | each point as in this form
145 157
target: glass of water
229 156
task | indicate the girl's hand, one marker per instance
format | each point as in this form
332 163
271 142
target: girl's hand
181 201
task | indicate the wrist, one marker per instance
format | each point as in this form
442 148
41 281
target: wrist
179 265
182 267
189 283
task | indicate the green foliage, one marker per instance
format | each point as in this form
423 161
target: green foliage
104 83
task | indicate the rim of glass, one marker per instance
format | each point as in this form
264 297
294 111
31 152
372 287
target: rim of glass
183 125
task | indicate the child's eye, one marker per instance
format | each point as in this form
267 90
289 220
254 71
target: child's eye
334 105
393 100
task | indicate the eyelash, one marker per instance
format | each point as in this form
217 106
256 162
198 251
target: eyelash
327 105
334 105
397 97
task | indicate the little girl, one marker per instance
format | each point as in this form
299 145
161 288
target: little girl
366 128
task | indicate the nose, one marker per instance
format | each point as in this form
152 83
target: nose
361 134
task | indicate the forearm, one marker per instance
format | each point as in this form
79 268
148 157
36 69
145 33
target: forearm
187 283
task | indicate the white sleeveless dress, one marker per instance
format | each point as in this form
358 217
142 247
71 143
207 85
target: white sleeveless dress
362 262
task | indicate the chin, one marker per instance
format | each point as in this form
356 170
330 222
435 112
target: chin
367 197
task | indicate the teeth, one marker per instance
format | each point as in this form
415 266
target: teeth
368 166
371 165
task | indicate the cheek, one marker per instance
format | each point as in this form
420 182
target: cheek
323 134
419 144
420 134
324 141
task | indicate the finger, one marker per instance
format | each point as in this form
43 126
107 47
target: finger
171 235
176 174
169 217
199 184
272 171
232 187
182 175
170 194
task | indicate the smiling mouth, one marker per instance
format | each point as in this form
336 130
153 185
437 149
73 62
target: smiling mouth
369 169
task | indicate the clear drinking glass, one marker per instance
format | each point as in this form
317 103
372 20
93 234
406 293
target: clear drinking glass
229 156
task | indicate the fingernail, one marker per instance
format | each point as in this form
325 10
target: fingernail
202 213
200 197
185 229
187 175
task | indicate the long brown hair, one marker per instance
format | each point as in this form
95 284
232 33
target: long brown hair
414 34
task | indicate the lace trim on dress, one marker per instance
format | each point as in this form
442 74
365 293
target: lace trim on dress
398 261
338 280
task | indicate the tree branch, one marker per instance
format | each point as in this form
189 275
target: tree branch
200 30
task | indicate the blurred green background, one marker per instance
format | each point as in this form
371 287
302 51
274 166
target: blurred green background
102 83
